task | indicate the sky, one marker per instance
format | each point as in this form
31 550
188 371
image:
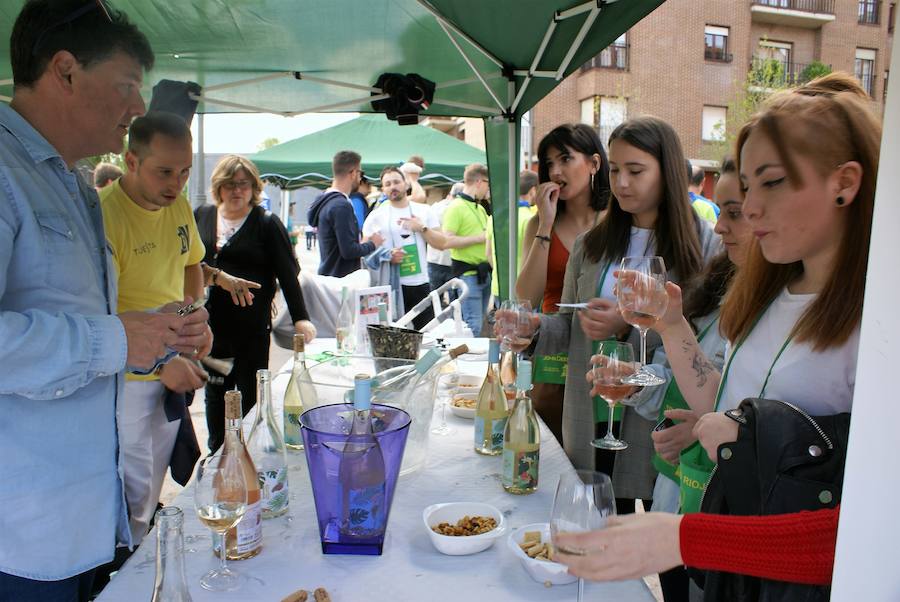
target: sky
243 133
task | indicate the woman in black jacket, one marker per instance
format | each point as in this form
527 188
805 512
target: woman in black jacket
244 240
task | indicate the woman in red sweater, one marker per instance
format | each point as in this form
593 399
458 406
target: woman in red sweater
798 547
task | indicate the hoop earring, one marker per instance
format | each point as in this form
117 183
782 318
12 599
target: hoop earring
840 201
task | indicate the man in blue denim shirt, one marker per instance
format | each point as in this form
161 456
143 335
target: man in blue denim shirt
77 70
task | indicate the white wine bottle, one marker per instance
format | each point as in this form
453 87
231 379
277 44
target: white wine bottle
361 471
522 439
245 539
267 451
508 375
299 396
344 331
491 410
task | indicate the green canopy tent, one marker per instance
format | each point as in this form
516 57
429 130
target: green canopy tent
307 160
492 60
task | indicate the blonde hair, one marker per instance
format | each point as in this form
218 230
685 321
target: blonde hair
225 170
828 122
475 172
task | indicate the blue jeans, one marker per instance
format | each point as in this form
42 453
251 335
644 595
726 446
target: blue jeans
474 306
20 589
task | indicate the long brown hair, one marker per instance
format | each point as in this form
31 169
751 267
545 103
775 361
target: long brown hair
677 225
828 122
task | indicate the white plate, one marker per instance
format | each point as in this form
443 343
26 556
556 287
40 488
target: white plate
541 571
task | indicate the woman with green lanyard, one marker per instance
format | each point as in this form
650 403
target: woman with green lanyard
648 214
574 189
701 310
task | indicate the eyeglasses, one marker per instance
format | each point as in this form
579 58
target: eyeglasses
241 184
78 12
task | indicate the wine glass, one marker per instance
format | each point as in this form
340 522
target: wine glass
641 293
446 387
220 496
584 501
613 368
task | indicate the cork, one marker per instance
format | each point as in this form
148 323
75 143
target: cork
458 351
300 343
233 405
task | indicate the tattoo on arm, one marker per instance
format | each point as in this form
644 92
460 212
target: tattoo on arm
699 362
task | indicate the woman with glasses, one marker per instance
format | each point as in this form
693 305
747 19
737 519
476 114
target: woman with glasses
244 240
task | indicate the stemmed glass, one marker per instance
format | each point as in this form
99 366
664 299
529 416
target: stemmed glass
584 501
615 365
515 331
446 387
641 292
220 496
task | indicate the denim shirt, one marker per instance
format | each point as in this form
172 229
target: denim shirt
63 352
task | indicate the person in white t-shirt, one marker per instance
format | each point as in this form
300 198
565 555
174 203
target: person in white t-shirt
406 227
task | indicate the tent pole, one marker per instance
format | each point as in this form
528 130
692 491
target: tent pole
527 73
534 64
247 82
332 82
443 21
255 109
465 105
562 15
201 163
469 80
576 44
471 65
513 188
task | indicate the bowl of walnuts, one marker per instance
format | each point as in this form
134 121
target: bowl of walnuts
460 528
531 545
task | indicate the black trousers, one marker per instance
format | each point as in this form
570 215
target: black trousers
20 589
411 296
605 461
250 354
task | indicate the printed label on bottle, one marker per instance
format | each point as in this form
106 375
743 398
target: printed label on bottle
292 434
365 511
520 469
273 486
497 427
249 530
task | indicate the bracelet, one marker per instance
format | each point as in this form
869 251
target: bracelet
215 275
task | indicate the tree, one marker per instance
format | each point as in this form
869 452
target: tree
267 143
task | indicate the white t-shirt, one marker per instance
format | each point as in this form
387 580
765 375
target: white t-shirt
818 382
385 221
435 255
640 244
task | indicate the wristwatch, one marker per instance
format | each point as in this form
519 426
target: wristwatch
424 229
737 415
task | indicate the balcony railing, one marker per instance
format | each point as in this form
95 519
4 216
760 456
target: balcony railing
717 54
614 56
867 80
773 73
806 6
869 12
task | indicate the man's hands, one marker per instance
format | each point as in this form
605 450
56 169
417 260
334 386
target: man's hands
397 255
182 375
377 239
148 335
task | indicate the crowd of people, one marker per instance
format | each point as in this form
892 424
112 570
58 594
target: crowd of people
757 345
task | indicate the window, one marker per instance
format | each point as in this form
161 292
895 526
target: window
604 113
864 69
868 11
589 110
614 56
885 84
716 44
714 123
892 10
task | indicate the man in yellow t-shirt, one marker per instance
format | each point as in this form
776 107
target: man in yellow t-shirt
528 183
156 252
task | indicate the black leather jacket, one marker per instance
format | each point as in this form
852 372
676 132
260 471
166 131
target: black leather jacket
783 461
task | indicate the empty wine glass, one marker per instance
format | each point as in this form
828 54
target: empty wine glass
446 387
614 365
641 293
584 501
220 496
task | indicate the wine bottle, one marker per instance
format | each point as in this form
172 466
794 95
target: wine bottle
361 470
344 330
245 539
508 375
267 451
170 584
491 410
299 396
521 440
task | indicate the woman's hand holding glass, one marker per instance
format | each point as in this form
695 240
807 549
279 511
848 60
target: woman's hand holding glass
642 298
612 366
515 325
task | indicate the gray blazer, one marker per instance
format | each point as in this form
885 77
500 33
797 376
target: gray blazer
634 475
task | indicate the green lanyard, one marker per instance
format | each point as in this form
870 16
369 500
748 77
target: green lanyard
737 347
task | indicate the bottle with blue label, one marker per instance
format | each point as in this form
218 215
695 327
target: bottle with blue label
521 440
361 470
491 410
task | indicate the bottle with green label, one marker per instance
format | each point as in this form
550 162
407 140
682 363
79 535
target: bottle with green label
522 439
491 410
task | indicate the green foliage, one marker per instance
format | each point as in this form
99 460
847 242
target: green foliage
267 143
767 73
813 70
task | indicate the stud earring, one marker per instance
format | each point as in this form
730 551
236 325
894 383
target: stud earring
592 180
840 201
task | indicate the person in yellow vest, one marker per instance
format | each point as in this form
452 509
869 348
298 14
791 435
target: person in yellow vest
528 185
156 252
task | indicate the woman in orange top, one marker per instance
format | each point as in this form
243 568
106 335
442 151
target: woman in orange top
574 190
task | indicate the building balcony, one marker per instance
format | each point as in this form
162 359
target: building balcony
717 55
808 14
614 56
768 74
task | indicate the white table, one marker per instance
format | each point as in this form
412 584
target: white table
410 569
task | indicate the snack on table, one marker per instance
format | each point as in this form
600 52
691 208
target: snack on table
300 595
465 402
467 525
321 595
531 545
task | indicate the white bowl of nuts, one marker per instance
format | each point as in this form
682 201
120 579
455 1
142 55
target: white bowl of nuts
460 528
463 405
531 545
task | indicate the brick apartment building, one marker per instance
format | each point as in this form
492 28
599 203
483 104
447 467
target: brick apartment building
688 60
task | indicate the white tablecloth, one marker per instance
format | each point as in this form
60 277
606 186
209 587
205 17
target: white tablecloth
410 569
